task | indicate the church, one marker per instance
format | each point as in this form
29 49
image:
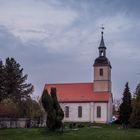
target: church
88 102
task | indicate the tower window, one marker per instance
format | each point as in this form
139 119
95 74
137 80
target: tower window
66 111
102 53
98 112
79 111
101 72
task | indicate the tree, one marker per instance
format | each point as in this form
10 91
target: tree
125 107
15 86
135 116
58 109
30 108
2 93
47 103
8 108
116 105
54 112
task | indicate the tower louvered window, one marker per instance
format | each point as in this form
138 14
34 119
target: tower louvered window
101 72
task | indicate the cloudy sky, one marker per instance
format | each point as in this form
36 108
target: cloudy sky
56 41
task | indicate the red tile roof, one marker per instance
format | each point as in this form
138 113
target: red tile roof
78 92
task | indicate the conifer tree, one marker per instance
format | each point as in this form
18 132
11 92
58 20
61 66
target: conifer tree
135 116
47 104
15 86
125 107
54 112
58 109
2 93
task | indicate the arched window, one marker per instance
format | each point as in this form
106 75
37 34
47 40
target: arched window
79 111
67 111
98 111
102 53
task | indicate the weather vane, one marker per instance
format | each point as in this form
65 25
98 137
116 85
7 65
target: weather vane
102 28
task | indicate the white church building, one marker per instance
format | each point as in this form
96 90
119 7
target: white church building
88 102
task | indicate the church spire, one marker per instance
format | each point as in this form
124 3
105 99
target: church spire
102 69
102 44
102 48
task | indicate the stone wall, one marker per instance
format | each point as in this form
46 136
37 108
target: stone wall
21 123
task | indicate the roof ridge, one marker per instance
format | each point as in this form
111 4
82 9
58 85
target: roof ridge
69 83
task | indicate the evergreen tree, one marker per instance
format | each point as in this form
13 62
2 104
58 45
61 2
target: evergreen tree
58 109
47 103
2 93
54 112
125 107
15 86
135 116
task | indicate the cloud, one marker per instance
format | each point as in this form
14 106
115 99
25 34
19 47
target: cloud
41 64
35 16
57 40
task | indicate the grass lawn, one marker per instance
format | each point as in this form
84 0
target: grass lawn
86 133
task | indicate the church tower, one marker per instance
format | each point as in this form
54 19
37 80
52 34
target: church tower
102 69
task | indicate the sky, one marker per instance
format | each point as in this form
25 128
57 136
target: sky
56 41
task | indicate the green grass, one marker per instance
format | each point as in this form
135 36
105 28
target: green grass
86 133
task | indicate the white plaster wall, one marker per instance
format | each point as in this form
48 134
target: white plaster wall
89 112
104 114
92 112
110 110
73 112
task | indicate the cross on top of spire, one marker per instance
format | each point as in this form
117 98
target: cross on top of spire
102 28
